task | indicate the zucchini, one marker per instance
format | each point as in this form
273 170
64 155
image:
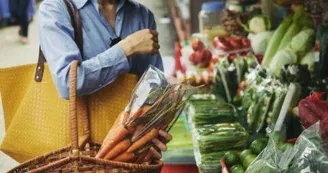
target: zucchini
262 110
211 112
241 66
220 137
279 96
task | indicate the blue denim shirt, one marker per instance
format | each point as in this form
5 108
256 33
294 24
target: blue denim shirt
100 64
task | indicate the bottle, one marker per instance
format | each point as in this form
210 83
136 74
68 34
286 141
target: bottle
210 18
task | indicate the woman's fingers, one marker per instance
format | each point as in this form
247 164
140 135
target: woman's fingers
155 33
155 153
159 144
165 135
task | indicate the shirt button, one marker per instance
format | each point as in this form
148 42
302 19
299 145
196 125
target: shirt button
100 85
118 17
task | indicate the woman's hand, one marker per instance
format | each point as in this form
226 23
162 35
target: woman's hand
159 146
141 42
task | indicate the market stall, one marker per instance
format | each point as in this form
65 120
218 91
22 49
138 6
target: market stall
263 103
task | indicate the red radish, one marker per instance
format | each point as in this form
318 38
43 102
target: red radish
235 42
197 45
222 43
245 43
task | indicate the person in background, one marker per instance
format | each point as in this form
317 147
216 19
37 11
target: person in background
23 18
119 36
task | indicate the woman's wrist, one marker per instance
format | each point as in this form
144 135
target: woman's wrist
127 48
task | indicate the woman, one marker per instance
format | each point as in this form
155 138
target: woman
104 23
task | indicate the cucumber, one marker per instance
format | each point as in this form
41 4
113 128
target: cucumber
248 160
244 154
258 145
237 169
231 158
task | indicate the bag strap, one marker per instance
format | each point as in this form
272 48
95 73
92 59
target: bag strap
78 38
74 102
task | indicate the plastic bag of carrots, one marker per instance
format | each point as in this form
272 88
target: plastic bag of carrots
155 105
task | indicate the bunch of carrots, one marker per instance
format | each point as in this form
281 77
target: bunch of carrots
129 140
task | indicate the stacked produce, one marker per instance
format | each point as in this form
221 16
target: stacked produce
239 162
308 154
211 112
154 106
228 76
314 109
214 130
291 43
201 56
262 100
232 43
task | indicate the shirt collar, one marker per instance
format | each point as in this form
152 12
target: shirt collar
80 3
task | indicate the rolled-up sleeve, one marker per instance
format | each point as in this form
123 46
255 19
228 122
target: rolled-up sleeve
57 43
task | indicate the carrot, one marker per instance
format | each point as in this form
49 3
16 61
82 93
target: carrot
140 111
118 149
137 114
146 108
137 130
142 141
114 137
124 157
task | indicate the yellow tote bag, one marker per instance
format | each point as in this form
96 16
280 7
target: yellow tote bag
36 117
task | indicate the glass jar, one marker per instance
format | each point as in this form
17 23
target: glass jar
210 18
234 5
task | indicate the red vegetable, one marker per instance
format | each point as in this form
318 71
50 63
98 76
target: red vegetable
235 42
197 45
307 117
222 43
245 43
313 109
201 58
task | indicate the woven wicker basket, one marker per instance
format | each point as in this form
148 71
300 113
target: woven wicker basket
80 156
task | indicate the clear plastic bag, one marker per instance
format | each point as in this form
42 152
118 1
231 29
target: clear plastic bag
155 105
307 155
310 152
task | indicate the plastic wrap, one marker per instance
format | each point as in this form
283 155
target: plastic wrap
307 155
155 105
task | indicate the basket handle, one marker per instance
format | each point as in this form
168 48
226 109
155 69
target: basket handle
74 102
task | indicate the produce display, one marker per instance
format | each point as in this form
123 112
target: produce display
228 75
313 109
290 43
155 104
258 115
214 130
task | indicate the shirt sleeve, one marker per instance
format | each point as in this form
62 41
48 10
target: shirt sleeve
56 39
